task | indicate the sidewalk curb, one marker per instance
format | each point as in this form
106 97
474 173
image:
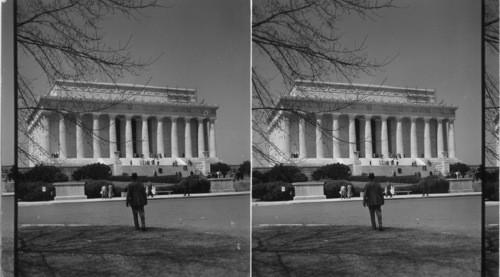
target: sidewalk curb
398 197
122 199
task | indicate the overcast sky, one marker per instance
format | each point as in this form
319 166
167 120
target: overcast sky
203 45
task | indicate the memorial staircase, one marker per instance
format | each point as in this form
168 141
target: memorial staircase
167 166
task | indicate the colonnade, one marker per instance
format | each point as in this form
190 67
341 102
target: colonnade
441 122
144 131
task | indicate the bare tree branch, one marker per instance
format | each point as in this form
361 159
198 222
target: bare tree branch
299 39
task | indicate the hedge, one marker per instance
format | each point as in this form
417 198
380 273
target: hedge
96 171
490 191
196 185
335 171
45 173
258 177
93 188
272 191
281 173
299 177
332 188
405 179
32 191
435 184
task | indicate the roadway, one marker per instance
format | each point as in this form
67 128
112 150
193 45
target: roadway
454 215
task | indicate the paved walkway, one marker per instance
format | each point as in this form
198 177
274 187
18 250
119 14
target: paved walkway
403 196
157 197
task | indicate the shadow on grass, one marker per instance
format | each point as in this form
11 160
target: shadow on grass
361 251
491 251
7 257
123 251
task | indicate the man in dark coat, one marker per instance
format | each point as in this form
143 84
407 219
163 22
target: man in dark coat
374 198
137 199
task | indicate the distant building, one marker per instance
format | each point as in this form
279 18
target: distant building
79 123
374 125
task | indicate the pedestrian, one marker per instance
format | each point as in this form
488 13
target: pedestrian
374 199
342 192
110 191
349 190
150 190
389 189
425 188
137 199
104 192
186 187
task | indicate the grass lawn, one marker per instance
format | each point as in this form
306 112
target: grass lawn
123 251
361 251
491 251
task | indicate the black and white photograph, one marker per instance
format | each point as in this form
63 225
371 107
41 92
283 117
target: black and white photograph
249 138
133 142
366 138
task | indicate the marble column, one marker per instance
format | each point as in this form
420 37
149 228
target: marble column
368 136
302 137
451 138
175 144
413 137
212 145
159 137
352 135
319 136
336 135
96 140
45 130
440 140
187 138
80 153
427 139
129 142
63 149
201 138
145 136
399 136
285 127
384 136
112 135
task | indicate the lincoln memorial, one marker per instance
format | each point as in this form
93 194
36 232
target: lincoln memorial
323 123
79 123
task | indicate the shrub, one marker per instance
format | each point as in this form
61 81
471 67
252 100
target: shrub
299 177
272 191
32 191
245 168
175 188
435 184
258 177
281 173
93 188
332 188
222 167
196 184
45 173
490 191
97 171
460 167
335 171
